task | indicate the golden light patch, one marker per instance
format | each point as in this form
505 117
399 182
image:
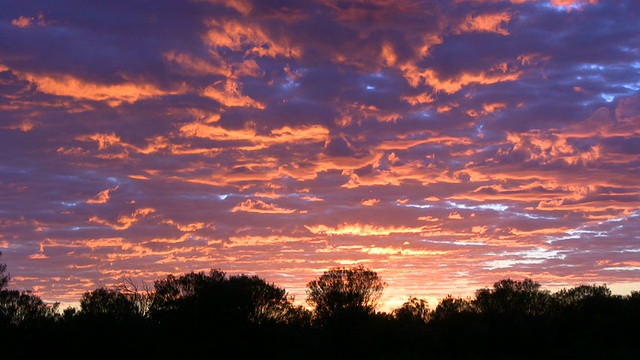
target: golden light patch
362 229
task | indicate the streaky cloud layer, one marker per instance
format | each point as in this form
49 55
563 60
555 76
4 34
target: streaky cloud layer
444 145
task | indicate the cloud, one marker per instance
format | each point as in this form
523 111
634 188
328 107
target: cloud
492 23
572 4
228 94
124 222
250 40
249 241
113 94
303 134
24 125
22 21
370 202
259 206
362 229
102 197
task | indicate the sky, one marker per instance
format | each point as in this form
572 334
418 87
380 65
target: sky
443 144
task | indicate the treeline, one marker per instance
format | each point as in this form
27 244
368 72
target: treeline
214 315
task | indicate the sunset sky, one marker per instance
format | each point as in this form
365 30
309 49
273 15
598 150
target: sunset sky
443 144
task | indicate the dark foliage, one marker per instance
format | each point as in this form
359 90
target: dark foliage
344 295
212 315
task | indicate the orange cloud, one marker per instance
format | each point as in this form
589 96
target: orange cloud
428 218
24 125
370 202
22 21
552 203
419 99
114 95
359 110
260 206
103 140
388 55
106 141
363 229
253 39
396 175
572 4
185 227
493 23
102 197
492 107
284 135
454 84
194 65
228 93
138 177
425 138
125 221
548 147
532 58
390 250
243 241
499 73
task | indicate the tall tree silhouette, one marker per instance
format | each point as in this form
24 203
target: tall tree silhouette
4 276
342 291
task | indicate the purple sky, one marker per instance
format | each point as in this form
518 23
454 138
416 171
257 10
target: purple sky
443 144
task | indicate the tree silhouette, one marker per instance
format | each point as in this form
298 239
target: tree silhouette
108 303
24 318
240 298
451 308
581 296
21 308
24 309
342 291
4 276
512 299
220 310
207 314
173 289
255 300
414 310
